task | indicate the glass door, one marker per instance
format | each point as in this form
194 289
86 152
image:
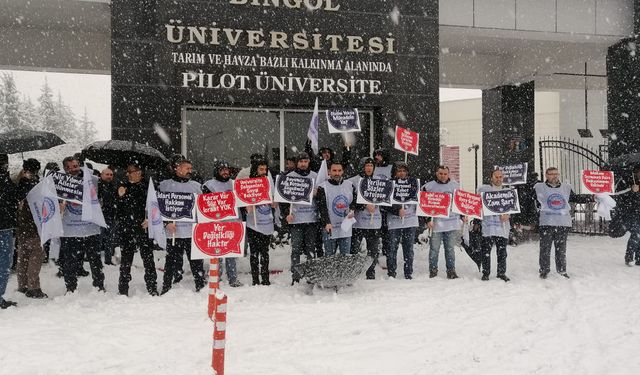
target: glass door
234 134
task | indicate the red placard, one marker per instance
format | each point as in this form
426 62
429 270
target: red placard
406 140
224 239
468 204
434 204
216 207
597 182
252 191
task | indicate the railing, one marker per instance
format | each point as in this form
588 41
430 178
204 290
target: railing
571 157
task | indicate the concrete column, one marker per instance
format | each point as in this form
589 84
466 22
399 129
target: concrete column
507 126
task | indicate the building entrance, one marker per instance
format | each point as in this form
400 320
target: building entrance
233 134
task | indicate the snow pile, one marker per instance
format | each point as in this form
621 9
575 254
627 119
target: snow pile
588 324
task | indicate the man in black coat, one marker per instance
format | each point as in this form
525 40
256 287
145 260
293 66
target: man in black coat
107 196
629 206
8 222
130 214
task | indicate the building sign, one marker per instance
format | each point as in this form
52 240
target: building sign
168 56
213 50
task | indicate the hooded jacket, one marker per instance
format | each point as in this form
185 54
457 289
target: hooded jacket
316 160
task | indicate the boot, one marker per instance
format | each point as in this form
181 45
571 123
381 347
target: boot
255 279
503 277
451 274
433 273
4 304
36 293
265 278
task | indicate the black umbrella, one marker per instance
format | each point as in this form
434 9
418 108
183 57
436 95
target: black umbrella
625 161
333 271
473 248
27 140
121 153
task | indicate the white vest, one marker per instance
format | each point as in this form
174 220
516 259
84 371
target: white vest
338 197
444 224
382 173
410 218
554 204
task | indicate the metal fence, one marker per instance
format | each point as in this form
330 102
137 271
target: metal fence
571 157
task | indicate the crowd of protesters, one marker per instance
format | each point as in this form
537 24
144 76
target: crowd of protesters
314 230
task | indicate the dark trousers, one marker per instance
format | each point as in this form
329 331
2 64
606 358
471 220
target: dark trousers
132 240
108 242
501 252
403 237
259 258
386 239
303 241
633 245
319 242
372 236
174 256
557 236
72 251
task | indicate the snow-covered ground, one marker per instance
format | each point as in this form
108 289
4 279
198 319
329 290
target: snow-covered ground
589 324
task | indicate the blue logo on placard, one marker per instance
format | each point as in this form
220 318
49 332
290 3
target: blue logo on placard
156 218
264 209
340 206
556 202
48 209
74 208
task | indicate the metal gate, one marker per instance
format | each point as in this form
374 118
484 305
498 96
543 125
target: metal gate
571 157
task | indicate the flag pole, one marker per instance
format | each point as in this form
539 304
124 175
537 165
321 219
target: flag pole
255 217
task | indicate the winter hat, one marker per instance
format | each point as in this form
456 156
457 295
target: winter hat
302 156
31 165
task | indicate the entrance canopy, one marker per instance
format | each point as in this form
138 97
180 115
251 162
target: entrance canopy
483 43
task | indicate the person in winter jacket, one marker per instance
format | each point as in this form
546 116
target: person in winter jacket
368 219
336 201
131 215
383 171
259 231
79 238
384 166
302 220
403 222
181 231
555 219
8 222
629 206
326 153
30 253
444 230
107 195
222 182
495 230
